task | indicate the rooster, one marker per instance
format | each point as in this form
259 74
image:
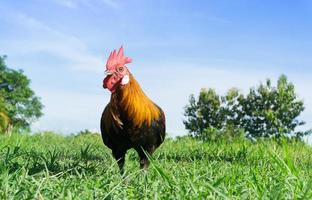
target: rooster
130 119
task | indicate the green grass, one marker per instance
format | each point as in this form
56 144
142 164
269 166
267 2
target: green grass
50 166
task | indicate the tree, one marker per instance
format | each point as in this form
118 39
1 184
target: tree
266 111
231 109
204 113
17 100
273 111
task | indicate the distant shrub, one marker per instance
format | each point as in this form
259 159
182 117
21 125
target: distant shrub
228 133
85 132
266 111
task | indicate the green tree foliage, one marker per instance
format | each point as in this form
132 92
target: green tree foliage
273 111
204 113
17 101
231 109
266 111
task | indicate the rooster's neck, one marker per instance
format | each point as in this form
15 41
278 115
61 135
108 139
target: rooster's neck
133 102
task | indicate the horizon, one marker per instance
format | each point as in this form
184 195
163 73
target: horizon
177 48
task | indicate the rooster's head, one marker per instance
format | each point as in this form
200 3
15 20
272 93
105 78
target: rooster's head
116 72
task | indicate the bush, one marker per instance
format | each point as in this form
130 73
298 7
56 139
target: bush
85 132
266 111
229 133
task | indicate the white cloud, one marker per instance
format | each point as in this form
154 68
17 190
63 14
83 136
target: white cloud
67 3
92 4
112 3
43 39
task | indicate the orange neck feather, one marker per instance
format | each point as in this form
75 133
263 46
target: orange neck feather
135 104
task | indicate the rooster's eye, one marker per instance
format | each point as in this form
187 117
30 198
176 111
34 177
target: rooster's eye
120 69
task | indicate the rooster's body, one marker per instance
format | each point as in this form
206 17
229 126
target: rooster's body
131 119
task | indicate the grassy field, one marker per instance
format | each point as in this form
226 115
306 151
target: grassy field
50 166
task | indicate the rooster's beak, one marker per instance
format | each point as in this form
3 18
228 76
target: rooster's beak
107 72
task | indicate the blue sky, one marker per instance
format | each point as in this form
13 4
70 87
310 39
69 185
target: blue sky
177 48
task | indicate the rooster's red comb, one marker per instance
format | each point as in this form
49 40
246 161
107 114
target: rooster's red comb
116 59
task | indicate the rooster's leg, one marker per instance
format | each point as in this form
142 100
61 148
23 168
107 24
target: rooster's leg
120 157
144 162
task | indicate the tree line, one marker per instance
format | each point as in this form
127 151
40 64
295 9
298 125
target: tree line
267 111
